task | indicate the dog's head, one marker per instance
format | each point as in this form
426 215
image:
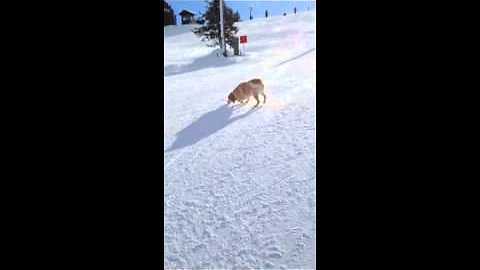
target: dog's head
231 98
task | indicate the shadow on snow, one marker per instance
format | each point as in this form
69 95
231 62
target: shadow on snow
208 61
205 126
174 30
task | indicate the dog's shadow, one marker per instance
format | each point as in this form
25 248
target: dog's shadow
207 125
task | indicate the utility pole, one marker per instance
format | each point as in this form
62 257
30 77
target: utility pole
222 35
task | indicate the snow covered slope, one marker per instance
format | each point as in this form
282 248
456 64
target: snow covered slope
240 182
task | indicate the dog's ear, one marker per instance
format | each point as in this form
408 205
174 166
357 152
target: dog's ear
231 99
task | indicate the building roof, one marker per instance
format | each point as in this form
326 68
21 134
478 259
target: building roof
186 12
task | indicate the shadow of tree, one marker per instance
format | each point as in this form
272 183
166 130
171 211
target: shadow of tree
206 125
174 30
209 61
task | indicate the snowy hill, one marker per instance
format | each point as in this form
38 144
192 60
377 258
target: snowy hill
240 182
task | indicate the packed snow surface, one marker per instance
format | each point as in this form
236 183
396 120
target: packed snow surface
240 181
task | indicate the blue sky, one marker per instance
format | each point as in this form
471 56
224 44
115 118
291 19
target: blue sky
275 8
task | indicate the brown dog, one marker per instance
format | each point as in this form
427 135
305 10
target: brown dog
245 90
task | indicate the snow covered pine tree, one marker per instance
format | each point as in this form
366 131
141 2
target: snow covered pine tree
211 30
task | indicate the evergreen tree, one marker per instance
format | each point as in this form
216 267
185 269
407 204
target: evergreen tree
211 30
236 16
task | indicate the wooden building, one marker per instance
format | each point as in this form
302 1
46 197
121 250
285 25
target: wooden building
188 17
168 14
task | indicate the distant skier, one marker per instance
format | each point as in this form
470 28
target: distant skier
284 14
295 10
266 13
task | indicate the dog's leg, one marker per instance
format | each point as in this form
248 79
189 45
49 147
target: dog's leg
258 100
264 98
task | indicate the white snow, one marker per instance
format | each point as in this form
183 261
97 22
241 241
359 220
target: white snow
240 182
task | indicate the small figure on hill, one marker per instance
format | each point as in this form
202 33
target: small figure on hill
266 13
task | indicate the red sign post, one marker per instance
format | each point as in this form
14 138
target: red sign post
243 40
